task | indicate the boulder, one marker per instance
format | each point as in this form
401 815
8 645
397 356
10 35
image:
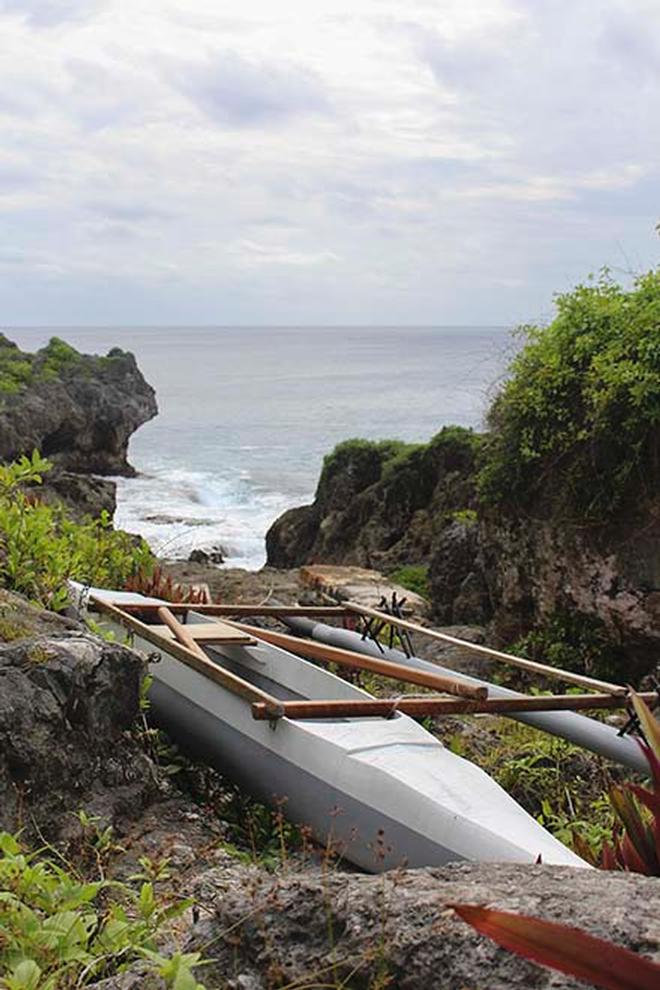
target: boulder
81 494
68 702
323 927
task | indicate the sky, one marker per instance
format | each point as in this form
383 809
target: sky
322 161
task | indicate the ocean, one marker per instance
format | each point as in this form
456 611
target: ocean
248 413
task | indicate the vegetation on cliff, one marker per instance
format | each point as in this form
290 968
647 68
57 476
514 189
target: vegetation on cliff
579 413
19 369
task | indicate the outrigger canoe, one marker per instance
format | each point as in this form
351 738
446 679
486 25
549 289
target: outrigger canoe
380 792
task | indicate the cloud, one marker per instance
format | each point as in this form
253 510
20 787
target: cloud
560 84
127 211
452 161
253 253
50 13
242 92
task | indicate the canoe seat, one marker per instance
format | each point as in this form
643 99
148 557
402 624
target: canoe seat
210 632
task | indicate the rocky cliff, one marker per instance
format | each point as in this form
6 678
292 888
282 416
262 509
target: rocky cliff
78 410
379 504
595 587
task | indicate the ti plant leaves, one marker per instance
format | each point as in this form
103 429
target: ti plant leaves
563 948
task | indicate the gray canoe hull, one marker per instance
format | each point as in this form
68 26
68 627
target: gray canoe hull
383 793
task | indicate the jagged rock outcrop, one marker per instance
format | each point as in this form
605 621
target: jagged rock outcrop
513 568
379 505
67 702
396 930
81 494
539 568
78 410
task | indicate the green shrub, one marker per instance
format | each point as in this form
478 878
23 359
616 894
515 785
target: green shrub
384 450
58 932
468 517
458 439
54 357
577 417
414 577
15 367
41 548
576 641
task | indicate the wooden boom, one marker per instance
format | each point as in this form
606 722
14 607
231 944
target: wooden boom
437 706
274 611
181 634
522 662
357 661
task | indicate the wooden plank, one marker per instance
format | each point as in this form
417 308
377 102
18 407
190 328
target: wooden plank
211 632
531 665
439 706
274 611
357 661
201 664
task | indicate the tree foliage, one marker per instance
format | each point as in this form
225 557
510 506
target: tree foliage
578 417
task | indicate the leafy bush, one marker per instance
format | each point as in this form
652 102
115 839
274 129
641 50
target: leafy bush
457 439
576 641
382 452
41 548
54 357
153 583
15 367
59 932
414 577
578 415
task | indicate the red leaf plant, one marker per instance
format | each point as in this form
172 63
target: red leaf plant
564 948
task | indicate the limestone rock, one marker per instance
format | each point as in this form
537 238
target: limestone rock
377 509
358 584
301 928
67 703
458 590
78 410
81 494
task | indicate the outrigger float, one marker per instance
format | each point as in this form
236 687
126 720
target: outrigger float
369 781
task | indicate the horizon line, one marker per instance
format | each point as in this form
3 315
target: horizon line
256 326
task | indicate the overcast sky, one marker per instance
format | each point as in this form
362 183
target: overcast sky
322 161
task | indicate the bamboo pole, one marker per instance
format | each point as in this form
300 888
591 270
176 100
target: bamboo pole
274 611
357 661
202 664
438 706
538 668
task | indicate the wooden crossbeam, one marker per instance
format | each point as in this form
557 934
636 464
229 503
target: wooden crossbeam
531 665
197 661
180 632
437 706
357 661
